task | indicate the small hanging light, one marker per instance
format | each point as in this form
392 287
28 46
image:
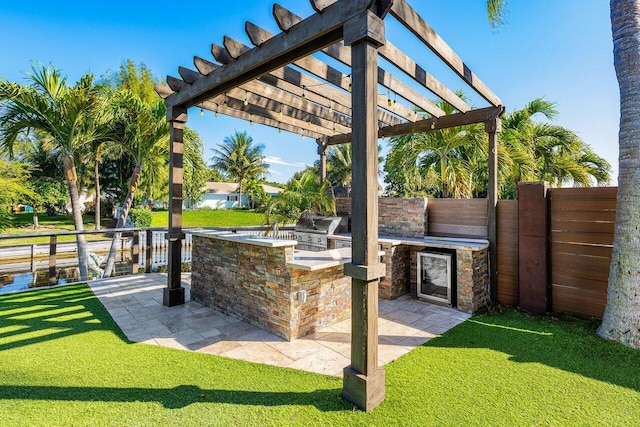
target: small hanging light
251 120
433 125
224 104
246 98
350 87
303 98
280 113
279 130
389 101
201 112
330 106
216 113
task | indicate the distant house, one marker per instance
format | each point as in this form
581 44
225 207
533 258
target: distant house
224 195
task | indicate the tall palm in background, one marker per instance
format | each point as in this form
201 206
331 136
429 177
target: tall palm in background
238 158
71 116
621 321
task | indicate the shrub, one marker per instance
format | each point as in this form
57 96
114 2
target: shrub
141 217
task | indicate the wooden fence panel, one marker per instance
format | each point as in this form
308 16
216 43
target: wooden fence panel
507 252
457 218
582 221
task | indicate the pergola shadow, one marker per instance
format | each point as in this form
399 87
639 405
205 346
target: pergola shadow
177 397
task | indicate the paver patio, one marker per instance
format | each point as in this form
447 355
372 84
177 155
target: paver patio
135 303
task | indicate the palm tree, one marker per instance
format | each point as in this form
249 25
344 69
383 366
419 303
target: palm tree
621 321
544 151
303 195
144 137
72 116
239 159
442 150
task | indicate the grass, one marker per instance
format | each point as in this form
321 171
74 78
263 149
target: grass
211 218
64 361
22 223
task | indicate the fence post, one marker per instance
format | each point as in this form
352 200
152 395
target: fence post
148 250
52 260
135 252
533 246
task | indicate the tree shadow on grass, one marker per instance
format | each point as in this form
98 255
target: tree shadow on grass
570 345
179 397
34 317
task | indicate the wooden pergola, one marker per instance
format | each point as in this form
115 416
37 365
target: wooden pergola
278 83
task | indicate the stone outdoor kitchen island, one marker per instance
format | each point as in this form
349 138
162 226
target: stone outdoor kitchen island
266 283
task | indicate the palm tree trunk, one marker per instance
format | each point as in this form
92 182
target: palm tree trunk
621 321
70 174
96 173
128 201
240 192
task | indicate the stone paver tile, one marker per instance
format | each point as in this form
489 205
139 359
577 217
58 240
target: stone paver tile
325 361
337 341
389 327
235 331
344 326
402 316
218 347
139 336
170 342
118 311
187 337
415 341
257 334
295 349
258 352
125 320
389 352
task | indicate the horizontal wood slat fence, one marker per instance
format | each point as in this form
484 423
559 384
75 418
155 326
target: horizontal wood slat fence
581 238
580 235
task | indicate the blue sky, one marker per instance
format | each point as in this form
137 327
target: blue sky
559 49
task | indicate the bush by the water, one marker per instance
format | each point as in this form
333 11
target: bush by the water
141 217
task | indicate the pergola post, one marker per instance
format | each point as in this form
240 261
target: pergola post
364 381
493 127
174 292
322 152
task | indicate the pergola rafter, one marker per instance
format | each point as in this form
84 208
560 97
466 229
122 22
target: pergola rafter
278 83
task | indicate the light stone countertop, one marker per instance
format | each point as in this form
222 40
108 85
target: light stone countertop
430 241
246 238
312 261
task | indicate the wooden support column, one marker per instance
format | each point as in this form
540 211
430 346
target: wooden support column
493 127
322 152
364 381
174 292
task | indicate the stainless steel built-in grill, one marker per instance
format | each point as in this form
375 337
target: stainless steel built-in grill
311 231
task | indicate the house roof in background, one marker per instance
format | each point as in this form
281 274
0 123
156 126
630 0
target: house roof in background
232 187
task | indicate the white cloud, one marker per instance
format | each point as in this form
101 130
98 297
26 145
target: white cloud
273 160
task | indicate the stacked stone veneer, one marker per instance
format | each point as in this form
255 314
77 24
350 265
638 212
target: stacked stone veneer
396 216
254 283
472 273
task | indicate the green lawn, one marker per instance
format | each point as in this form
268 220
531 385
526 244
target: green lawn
23 223
211 218
63 361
